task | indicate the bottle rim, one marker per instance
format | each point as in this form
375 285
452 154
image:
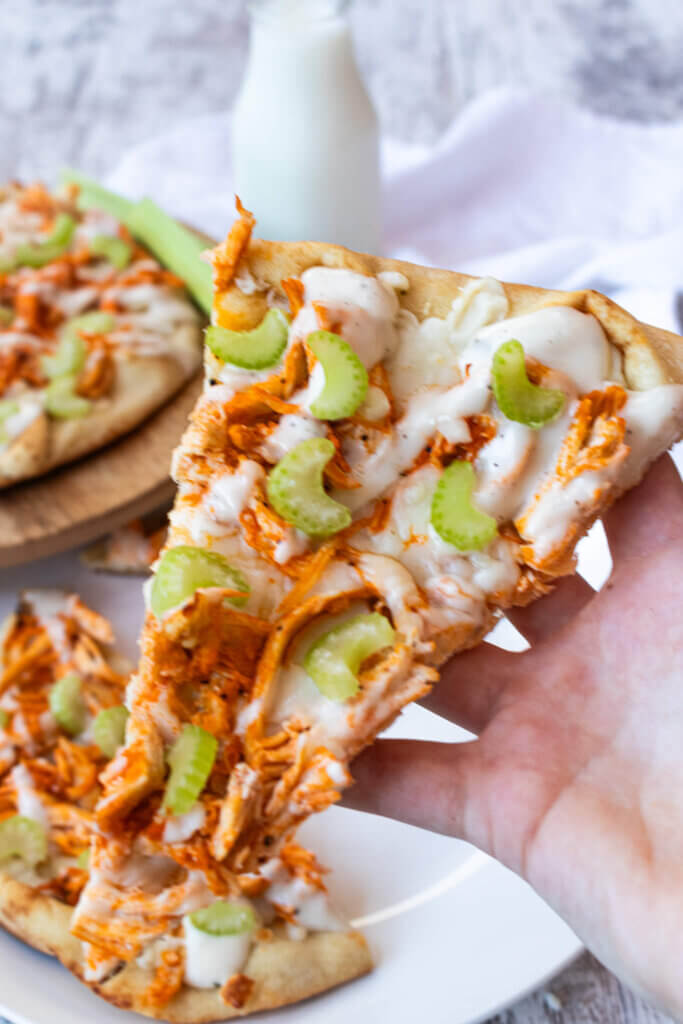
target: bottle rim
311 10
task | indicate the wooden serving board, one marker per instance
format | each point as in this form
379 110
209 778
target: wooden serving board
79 502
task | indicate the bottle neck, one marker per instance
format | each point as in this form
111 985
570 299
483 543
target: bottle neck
287 12
312 36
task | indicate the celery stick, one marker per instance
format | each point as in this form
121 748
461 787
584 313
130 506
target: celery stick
93 196
176 247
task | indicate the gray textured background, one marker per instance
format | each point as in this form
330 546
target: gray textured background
81 80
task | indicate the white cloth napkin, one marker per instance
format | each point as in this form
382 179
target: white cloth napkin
520 187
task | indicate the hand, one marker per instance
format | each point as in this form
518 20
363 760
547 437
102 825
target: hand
576 778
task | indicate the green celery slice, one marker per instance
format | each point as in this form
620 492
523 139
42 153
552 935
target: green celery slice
24 838
224 918
38 254
176 247
109 729
296 492
335 658
255 349
69 357
454 517
517 397
67 704
113 249
4 718
83 860
191 759
96 322
93 197
61 400
346 379
6 316
183 570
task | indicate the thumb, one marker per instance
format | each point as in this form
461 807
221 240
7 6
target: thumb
423 784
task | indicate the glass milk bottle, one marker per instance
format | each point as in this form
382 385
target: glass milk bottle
305 136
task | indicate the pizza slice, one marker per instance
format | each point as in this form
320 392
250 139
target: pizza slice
94 333
62 718
385 457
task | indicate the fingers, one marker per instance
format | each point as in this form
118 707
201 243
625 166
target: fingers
471 684
648 517
423 784
538 620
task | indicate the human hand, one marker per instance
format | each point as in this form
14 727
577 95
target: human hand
576 778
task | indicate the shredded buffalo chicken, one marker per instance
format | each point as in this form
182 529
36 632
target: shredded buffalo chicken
61 771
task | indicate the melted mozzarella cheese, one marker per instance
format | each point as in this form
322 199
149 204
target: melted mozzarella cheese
211 959
364 308
180 827
229 494
17 226
30 408
559 337
308 903
427 353
290 431
427 413
29 804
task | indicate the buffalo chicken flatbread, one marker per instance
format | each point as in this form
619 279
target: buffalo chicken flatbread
94 333
384 458
61 720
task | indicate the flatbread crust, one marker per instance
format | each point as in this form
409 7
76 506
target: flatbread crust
283 970
651 356
142 384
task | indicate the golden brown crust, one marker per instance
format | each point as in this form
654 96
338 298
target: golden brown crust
283 970
651 356
142 384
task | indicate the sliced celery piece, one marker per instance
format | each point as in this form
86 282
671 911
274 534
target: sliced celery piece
296 492
69 357
223 918
4 718
83 860
454 517
335 658
255 349
346 379
72 350
183 570
113 249
24 838
37 254
6 316
191 759
176 247
93 197
517 397
109 729
67 704
62 402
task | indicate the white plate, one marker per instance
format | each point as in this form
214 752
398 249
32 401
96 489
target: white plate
455 936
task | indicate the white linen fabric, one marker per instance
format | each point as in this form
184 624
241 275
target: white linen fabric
520 186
